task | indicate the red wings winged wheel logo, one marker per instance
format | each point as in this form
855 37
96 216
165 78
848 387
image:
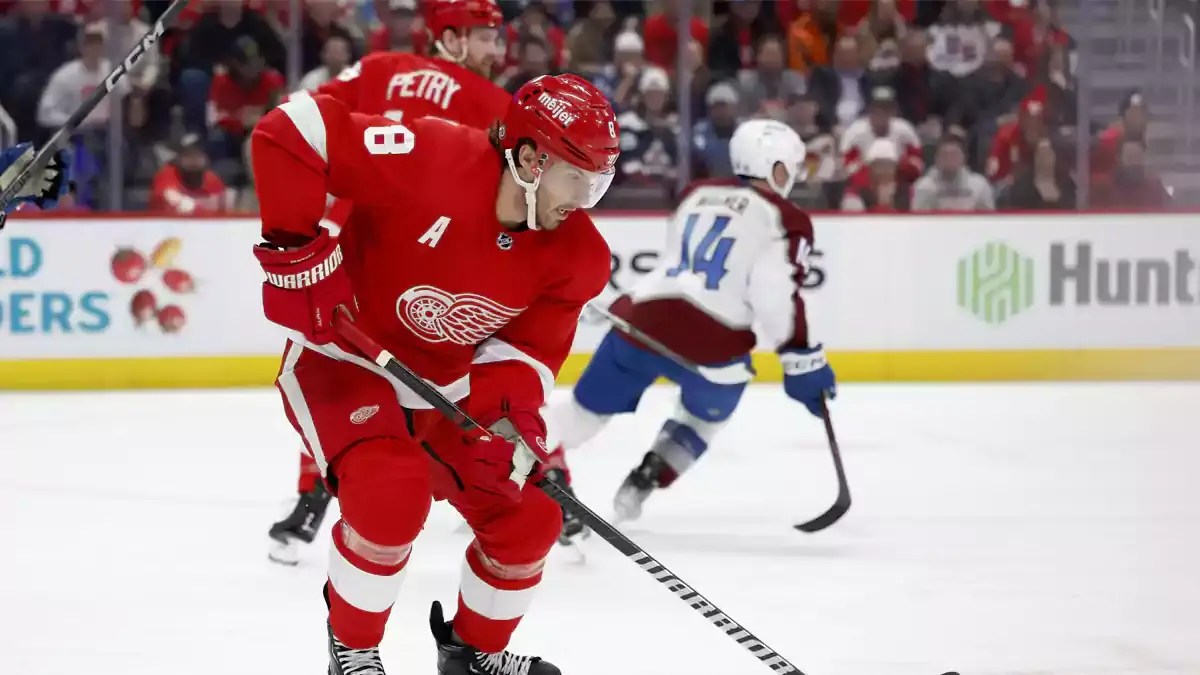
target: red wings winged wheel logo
438 316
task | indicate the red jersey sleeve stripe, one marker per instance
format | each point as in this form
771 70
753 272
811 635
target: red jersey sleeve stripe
304 113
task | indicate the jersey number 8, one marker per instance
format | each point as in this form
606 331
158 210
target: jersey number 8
707 257
393 140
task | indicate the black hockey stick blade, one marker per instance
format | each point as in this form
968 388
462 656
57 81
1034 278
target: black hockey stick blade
842 504
345 327
60 138
831 516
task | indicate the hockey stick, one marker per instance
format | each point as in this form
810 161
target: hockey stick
371 349
842 504
60 137
722 376
728 375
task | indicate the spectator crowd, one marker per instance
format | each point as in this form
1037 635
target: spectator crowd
905 105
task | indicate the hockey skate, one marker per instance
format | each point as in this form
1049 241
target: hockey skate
460 659
573 527
346 661
301 525
652 473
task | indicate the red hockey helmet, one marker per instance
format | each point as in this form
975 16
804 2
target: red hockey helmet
461 15
568 118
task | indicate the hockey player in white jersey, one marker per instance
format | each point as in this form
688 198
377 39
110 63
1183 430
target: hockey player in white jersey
736 254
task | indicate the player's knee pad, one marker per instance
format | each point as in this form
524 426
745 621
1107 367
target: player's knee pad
683 439
542 518
503 570
521 532
570 425
369 550
384 490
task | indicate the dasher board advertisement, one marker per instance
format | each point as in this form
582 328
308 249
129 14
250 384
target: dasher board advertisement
138 301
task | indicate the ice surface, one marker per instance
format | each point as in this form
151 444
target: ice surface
995 529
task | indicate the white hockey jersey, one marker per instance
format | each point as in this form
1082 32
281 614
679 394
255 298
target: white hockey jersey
735 257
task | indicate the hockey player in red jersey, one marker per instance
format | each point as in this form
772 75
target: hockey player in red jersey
452 85
736 255
469 256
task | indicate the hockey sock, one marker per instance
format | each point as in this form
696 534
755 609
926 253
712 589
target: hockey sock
492 598
383 485
679 446
364 580
682 441
310 473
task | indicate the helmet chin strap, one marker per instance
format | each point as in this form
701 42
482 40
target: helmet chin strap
530 189
445 53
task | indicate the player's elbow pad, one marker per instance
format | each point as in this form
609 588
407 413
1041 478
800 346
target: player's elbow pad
291 193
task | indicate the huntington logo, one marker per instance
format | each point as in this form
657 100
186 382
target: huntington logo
995 282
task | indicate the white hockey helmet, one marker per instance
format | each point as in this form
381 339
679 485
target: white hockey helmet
757 145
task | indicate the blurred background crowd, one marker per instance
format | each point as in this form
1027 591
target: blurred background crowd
906 105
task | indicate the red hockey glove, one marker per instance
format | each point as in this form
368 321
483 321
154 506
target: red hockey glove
502 463
305 285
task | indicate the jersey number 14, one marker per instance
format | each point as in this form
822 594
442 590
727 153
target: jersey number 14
708 256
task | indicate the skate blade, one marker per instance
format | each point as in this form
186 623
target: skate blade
287 554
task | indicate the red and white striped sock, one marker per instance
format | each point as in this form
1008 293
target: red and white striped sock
361 591
492 598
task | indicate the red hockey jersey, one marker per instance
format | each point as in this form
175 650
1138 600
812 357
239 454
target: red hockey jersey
441 283
408 87
405 87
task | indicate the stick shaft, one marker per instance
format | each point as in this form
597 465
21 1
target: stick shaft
736 374
630 330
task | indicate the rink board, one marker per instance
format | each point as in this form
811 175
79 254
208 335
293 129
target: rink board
895 298
928 366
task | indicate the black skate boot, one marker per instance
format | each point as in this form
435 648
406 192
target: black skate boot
459 659
654 472
301 525
573 527
346 661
